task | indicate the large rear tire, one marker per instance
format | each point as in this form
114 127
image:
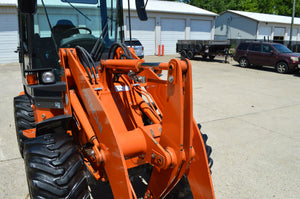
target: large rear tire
54 168
24 119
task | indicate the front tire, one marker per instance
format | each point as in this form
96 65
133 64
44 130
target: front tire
54 168
207 147
24 119
282 67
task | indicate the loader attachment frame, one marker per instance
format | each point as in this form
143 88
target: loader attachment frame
108 109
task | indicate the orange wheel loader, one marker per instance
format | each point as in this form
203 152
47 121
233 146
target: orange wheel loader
94 120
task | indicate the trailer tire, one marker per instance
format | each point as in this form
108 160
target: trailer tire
190 55
199 47
24 119
183 54
204 56
211 57
54 167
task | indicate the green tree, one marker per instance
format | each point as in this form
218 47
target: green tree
278 7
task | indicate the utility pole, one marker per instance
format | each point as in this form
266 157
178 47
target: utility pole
292 23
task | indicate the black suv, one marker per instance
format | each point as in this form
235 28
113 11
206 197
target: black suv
267 54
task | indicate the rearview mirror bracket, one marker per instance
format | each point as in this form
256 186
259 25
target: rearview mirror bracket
141 9
27 6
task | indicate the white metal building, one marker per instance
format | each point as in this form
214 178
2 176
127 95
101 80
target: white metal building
233 24
168 22
8 31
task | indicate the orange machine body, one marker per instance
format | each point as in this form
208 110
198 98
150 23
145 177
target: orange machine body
109 111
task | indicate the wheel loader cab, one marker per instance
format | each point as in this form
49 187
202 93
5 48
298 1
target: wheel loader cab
45 26
64 28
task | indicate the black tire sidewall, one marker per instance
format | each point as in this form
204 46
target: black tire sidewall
183 54
190 55
54 167
211 57
24 119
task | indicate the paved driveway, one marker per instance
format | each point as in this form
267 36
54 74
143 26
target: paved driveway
250 115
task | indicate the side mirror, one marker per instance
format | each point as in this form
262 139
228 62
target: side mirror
27 6
272 51
141 10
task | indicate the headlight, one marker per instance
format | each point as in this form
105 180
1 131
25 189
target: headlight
295 59
48 77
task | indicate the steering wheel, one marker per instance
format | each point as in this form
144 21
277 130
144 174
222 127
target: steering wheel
76 28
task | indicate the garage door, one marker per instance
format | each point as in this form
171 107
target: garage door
279 35
200 30
280 32
171 31
8 38
143 31
295 33
264 32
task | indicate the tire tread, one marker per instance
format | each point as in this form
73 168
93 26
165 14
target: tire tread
24 118
54 167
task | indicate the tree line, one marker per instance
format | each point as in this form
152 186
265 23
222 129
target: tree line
278 7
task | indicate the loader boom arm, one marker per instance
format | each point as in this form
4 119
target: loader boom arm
109 104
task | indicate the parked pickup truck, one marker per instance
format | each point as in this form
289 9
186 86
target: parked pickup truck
205 48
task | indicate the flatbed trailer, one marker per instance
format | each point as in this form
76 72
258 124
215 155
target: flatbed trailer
206 48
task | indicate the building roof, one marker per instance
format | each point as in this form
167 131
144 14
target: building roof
154 6
267 18
170 7
8 2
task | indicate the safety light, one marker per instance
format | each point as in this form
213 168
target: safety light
31 79
48 77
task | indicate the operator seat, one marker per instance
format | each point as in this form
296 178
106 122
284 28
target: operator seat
62 26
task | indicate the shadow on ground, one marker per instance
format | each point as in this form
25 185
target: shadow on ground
268 69
216 59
